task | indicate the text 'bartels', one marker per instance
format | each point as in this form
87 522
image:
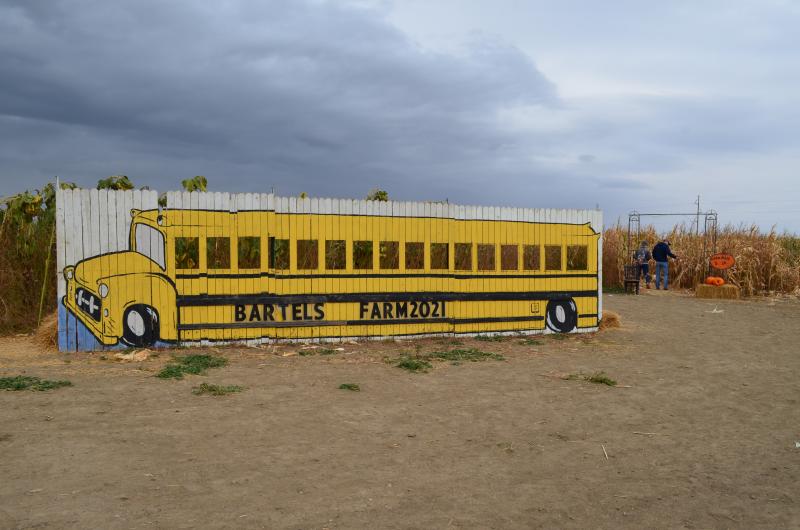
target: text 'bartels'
279 312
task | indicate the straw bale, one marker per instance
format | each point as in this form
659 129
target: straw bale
727 291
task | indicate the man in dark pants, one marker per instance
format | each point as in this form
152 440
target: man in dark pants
642 258
661 254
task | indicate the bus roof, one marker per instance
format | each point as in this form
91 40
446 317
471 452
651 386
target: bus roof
180 203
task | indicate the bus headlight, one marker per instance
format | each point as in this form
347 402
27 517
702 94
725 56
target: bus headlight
103 290
69 272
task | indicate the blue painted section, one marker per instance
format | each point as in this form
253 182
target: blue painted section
73 335
63 344
87 341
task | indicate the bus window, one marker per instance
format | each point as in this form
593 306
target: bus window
218 252
552 257
362 254
278 253
415 256
150 243
463 257
389 254
249 252
440 257
335 254
509 257
577 258
531 259
486 258
187 252
307 254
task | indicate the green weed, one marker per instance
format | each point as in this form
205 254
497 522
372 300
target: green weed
531 342
413 364
421 362
216 390
196 364
327 351
600 378
470 354
306 353
350 386
491 338
23 382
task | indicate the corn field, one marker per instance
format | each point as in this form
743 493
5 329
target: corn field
27 238
765 262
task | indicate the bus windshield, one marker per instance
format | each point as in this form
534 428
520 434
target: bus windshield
150 243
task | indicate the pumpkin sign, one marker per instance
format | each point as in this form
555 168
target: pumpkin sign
722 261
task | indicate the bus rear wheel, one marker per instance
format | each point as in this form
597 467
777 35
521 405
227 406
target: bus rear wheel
562 315
140 325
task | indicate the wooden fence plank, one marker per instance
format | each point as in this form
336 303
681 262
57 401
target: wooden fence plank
61 262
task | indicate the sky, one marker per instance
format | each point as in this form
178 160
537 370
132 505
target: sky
622 105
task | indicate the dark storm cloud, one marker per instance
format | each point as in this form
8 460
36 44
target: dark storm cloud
306 96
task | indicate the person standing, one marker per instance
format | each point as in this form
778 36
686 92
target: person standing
642 258
661 254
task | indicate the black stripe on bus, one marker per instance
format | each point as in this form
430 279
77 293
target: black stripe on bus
250 299
246 275
386 322
496 319
588 315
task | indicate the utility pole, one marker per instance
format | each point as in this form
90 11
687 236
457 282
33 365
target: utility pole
697 220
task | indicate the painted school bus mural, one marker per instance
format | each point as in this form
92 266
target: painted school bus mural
217 267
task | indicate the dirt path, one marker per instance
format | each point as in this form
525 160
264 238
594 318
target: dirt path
700 433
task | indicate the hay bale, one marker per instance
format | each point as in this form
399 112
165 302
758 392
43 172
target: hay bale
46 335
610 320
725 292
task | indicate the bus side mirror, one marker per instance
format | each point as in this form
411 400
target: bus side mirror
135 212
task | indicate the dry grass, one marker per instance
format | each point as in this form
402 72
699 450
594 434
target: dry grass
46 335
765 262
610 320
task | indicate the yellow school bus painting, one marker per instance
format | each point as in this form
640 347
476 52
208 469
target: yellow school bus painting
269 268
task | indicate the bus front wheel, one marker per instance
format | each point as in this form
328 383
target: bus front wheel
140 325
562 315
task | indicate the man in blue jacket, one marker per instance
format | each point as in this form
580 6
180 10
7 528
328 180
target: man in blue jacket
661 255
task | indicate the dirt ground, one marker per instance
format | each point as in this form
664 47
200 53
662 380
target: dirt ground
699 433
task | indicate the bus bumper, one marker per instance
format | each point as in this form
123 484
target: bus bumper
94 327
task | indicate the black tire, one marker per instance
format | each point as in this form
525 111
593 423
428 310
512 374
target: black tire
140 325
562 315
